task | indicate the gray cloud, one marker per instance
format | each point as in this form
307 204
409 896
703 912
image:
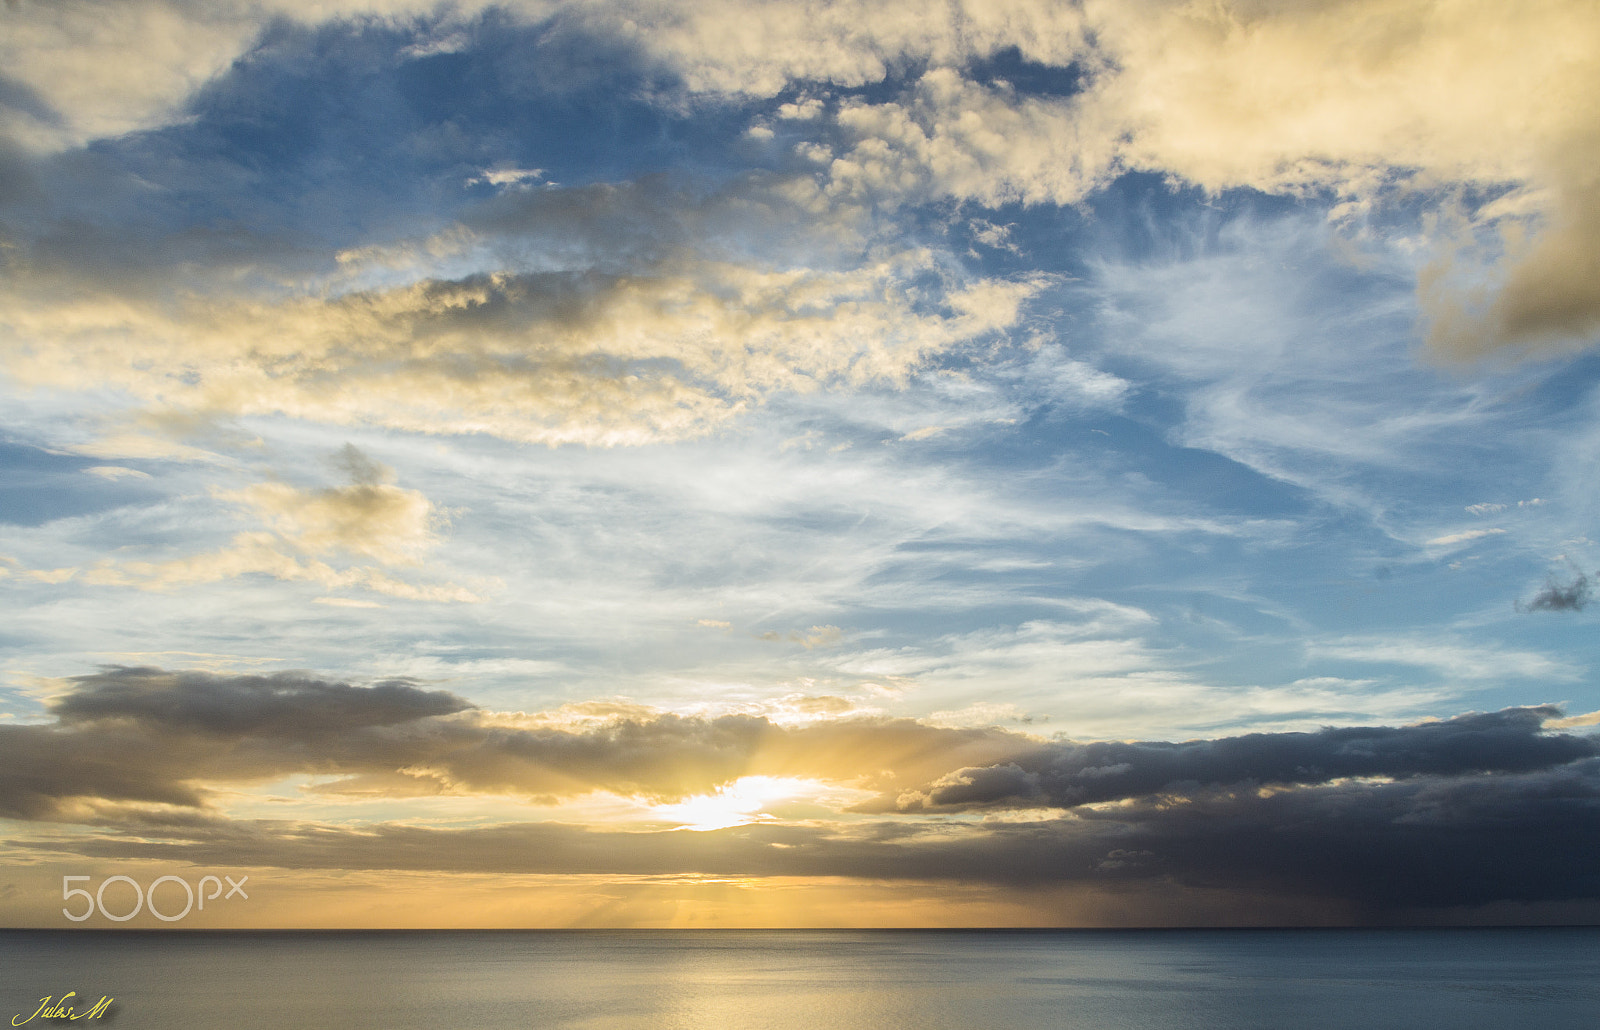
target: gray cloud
153 735
1558 597
1381 848
45 770
144 734
1067 774
360 468
292 706
1466 811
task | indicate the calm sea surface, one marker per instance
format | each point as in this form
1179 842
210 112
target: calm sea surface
1539 979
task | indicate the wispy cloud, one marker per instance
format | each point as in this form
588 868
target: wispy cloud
1464 537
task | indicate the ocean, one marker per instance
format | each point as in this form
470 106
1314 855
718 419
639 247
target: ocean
1493 979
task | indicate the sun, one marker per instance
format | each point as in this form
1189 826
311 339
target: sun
739 802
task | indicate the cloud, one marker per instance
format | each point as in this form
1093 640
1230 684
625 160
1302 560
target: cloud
1446 657
157 734
589 316
1102 669
1531 290
1284 371
557 357
656 311
1380 851
1466 536
759 49
1463 811
1349 95
801 111
346 602
1365 99
981 713
950 137
1285 96
1571 722
996 236
103 70
146 735
608 313
1339 94
293 705
507 176
369 519
818 636
264 554
1070 774
405 736
1558 597
106 69
396 738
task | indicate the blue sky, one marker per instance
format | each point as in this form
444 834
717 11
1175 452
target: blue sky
1061 373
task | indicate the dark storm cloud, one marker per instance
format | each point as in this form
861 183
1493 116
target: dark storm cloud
1066 774
1429 842
1557 597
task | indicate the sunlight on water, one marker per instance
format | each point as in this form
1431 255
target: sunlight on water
776 980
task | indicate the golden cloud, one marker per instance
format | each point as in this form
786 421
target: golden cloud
542 357
312 536
107 68
1358 97
1364 98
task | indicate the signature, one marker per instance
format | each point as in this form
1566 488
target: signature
61 1010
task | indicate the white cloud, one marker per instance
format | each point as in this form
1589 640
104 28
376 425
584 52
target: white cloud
1465 536
802 110
116 472
507 176
980 714
1099 675
1446 657
955 138
995 236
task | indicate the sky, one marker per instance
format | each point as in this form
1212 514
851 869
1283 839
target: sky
632 463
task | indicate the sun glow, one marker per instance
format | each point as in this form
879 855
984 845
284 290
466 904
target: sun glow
740 802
